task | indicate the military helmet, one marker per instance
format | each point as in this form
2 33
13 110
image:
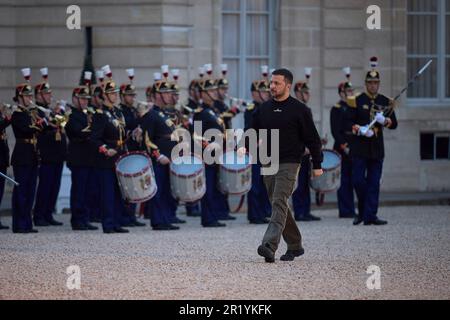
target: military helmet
24 89
344 86
110 87
264 86
222 83
301 86
373 75
206 85
98 92
43 87
162 86
127 89
81 92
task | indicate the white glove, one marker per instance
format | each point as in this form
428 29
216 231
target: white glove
365 131
362 131
380 118
369 133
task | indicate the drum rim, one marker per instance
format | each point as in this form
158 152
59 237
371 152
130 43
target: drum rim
196 199
221 165
136 174
336 166
233 193
191 174
235 171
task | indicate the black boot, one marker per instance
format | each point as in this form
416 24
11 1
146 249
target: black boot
376 222
266 252
291 254
358 219
53 222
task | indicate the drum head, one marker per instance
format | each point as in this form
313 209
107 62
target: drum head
330 159
132 163
232 161
186 165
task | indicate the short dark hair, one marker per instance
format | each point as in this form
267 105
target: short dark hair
285 73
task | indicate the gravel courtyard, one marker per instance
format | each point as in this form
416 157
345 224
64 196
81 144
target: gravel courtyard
412 252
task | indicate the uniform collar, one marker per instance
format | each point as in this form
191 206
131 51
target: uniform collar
108 108
373 97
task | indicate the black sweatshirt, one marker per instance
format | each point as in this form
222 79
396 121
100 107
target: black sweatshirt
296 129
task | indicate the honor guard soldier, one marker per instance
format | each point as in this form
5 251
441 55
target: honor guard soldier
259 208
301 198
225 112
26 125
128 97
95 103
339 119
220 109
149 92
176 117
211 211
157 129
108 138
5 121
52 146
182 116
372 113
79 158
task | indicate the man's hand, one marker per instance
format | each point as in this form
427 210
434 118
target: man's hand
317 173
380 118
365 131
388 122
241 151
163 160
111 153
137 134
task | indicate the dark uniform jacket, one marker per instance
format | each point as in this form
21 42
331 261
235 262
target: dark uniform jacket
157 131
364 110
78 130
108 130
52 143
340 125
25 130
131 123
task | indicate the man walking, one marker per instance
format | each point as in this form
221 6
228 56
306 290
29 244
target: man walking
296 130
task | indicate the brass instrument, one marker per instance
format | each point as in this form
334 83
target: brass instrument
8 107
241 104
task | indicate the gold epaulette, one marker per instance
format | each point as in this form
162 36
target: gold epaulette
100 111
250 106
351 101
87 129
337 105
198 110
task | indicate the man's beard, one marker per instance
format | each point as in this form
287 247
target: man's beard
277 96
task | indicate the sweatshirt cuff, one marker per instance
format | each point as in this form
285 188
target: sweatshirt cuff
317 165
